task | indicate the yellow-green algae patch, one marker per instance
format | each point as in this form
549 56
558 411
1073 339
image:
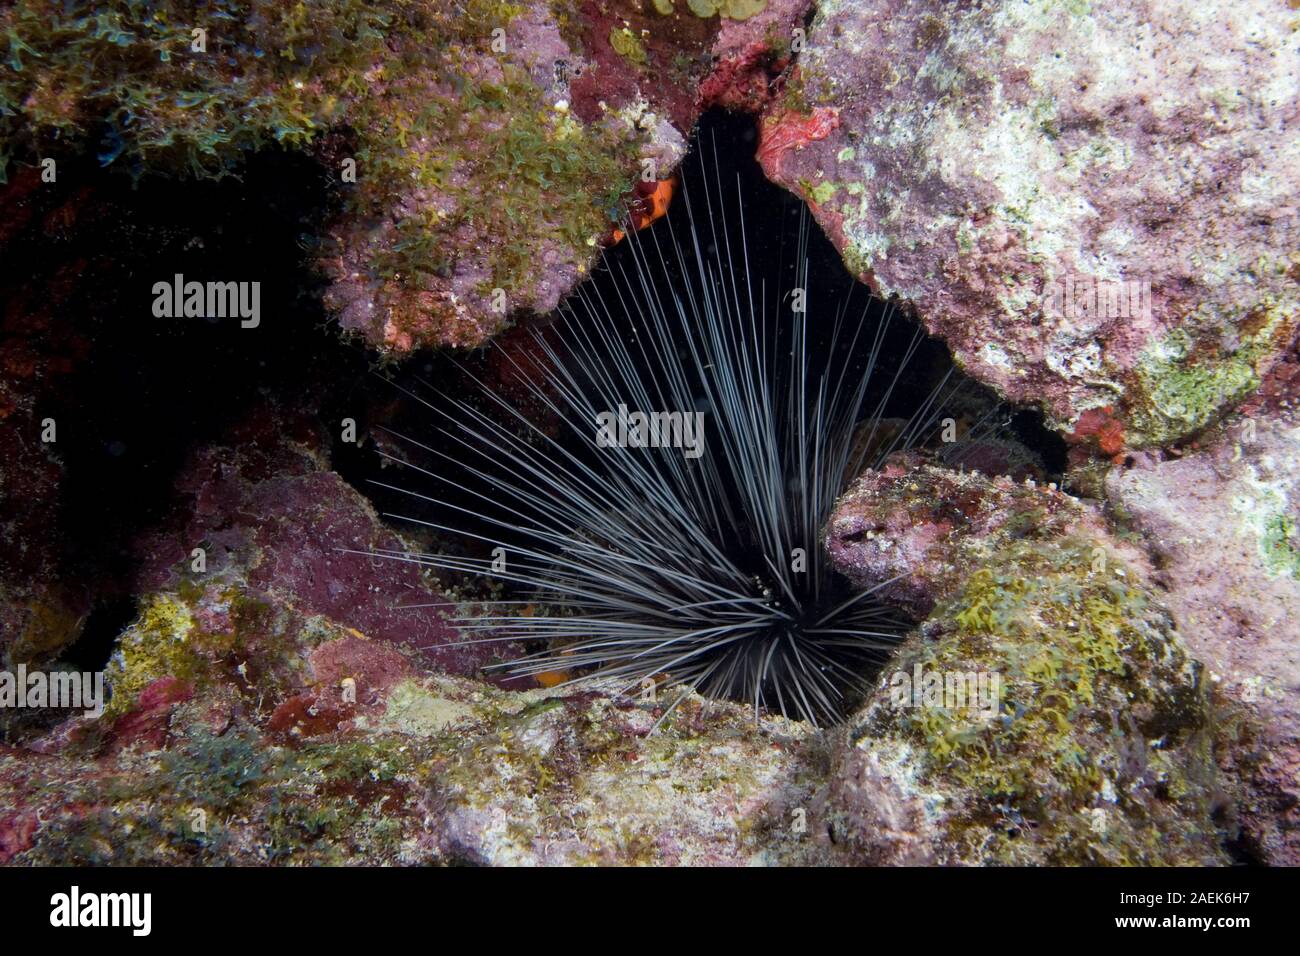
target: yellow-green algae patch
1101 749
154 646
627 45
728 9
259 651
1281 545
414 709
1183 382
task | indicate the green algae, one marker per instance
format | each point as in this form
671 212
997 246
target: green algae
1280 545
154 646
728 9
823 192
393 78
236 795
167 641
1187 380
1100 752
413 709
627 45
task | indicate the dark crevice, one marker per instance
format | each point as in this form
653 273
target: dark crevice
93 649
135 394
726 142
720 186
147 391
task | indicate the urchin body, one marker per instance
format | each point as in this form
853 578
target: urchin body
672 531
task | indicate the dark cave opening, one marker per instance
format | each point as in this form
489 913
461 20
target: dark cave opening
909 368
144 391
726 143
132 394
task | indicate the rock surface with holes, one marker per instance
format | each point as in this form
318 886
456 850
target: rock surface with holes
1012 169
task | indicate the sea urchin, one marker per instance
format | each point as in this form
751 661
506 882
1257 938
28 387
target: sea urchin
659 552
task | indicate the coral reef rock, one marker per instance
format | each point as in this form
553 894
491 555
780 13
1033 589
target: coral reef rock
1045 712
482 150
917 528
269 704
254 720
582 780
263 514
1094 204
325 747
1222 522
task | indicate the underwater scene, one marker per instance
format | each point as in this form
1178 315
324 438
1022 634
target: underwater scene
668 433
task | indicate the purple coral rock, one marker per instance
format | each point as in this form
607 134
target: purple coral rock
1223 523
268 509
515 154
922 527
752 54
1094 204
